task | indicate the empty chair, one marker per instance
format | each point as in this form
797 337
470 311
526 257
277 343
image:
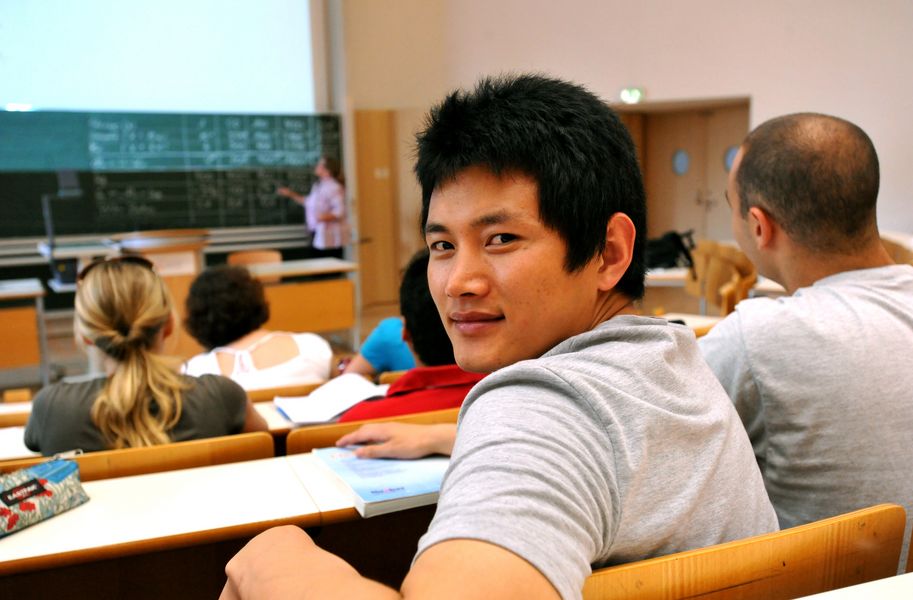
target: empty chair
722 276
832 553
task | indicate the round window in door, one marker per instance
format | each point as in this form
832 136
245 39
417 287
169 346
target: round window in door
729 157
681 162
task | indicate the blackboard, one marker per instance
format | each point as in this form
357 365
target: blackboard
141 171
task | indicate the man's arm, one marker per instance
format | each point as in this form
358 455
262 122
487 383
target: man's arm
401 440
724 350
285 563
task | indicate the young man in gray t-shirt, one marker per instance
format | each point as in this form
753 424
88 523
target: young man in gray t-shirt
600 436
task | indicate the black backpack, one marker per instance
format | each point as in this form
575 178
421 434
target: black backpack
672 249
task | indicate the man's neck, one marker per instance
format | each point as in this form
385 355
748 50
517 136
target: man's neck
802 267
613 304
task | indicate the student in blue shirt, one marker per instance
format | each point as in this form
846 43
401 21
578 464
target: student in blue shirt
383 350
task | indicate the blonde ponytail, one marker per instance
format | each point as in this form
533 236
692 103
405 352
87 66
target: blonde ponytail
121 307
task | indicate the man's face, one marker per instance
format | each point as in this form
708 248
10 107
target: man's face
497 274
739 223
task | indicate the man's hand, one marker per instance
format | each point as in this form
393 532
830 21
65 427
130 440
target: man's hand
401 440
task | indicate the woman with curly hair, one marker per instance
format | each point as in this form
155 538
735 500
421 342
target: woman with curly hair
226 310
124 309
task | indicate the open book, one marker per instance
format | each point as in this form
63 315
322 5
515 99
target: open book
383 485
332 398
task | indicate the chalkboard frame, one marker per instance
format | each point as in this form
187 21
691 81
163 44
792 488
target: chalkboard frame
141 171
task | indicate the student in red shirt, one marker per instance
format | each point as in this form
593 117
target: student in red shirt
437 382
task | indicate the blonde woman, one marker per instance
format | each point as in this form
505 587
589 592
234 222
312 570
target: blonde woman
124 309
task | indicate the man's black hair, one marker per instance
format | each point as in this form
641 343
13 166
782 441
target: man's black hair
561 135
816 175
224 304
423 322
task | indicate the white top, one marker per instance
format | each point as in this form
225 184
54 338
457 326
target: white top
327 197
311 365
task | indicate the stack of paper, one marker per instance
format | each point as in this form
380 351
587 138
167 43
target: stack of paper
330 399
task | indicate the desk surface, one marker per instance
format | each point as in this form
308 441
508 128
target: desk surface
159 511
12 444
275 420
889 588
307 266
693 321
675 277
15 289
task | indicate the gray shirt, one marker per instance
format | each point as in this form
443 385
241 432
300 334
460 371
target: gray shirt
823 381
61 414
616 445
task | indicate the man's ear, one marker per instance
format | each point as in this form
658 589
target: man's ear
407 337
762 228
619 250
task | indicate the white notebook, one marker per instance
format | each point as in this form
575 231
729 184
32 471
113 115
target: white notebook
332 398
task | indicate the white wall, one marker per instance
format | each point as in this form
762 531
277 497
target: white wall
162 55
843 57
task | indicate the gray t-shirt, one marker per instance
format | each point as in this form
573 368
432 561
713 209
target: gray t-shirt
616 445
823 381
61 414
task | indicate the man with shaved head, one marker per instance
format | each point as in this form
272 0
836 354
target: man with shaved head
822 378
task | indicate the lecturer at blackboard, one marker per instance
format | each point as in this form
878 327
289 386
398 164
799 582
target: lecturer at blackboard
325 208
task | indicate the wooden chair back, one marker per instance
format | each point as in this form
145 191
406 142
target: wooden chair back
322 436
388 377
14 419
108 464
17 395
899 253
722 276
267 394
742 279
832 553
256 257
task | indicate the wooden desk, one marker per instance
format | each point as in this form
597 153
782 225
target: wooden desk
169 535
303 267
12 444
25 325
158 511
320 306
275 420
675 277
700 324
897 587
672 277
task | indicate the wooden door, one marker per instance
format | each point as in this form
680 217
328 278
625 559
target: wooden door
685 169
376 207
